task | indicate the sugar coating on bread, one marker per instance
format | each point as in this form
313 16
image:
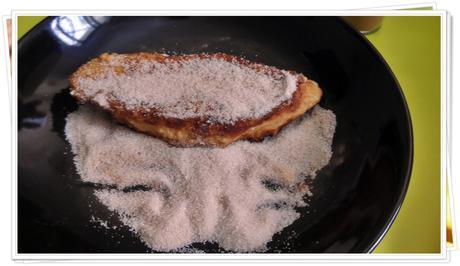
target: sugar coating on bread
218 89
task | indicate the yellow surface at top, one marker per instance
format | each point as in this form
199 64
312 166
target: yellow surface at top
411 46
25 23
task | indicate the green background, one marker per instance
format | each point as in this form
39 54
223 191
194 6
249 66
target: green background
411 46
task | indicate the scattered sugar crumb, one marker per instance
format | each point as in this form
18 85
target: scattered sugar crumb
101 223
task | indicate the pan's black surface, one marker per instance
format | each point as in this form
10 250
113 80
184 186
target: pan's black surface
356 197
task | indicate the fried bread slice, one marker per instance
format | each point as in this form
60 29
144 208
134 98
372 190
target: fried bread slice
195 100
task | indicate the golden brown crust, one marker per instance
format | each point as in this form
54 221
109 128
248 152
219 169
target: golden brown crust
196 131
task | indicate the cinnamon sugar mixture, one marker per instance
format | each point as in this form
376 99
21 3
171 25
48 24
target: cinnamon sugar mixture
201 194
219 90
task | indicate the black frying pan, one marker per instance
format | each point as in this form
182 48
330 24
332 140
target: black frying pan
356 197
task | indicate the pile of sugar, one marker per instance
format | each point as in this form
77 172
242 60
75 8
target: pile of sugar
201 194
219 90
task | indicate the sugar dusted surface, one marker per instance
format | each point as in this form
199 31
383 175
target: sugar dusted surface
211 88
201 194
